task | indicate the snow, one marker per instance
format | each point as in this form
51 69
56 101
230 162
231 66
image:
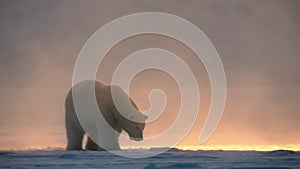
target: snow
281 159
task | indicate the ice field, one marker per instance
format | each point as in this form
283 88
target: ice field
173 158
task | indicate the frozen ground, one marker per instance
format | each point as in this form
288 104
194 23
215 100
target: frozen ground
171 159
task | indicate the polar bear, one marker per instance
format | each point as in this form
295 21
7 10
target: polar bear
109 136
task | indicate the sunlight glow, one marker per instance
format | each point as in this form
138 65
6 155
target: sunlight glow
294 147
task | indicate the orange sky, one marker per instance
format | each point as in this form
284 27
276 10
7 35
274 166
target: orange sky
257 42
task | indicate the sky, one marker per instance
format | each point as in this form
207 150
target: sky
258 43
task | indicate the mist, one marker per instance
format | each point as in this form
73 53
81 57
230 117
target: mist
258 42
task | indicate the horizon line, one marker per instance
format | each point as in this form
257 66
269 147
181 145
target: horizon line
215 147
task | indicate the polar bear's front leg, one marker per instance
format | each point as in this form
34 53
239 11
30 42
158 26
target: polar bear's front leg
91 145
109 141
74 136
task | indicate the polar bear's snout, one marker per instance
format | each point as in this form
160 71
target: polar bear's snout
136 136
136 139
139 138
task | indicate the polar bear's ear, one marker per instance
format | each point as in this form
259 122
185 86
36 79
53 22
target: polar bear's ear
145 117
139 117
131 117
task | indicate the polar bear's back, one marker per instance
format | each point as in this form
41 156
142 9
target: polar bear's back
103 96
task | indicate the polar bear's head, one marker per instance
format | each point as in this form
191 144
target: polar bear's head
127 114
134 128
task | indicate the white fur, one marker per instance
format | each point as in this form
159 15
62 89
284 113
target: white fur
107 135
